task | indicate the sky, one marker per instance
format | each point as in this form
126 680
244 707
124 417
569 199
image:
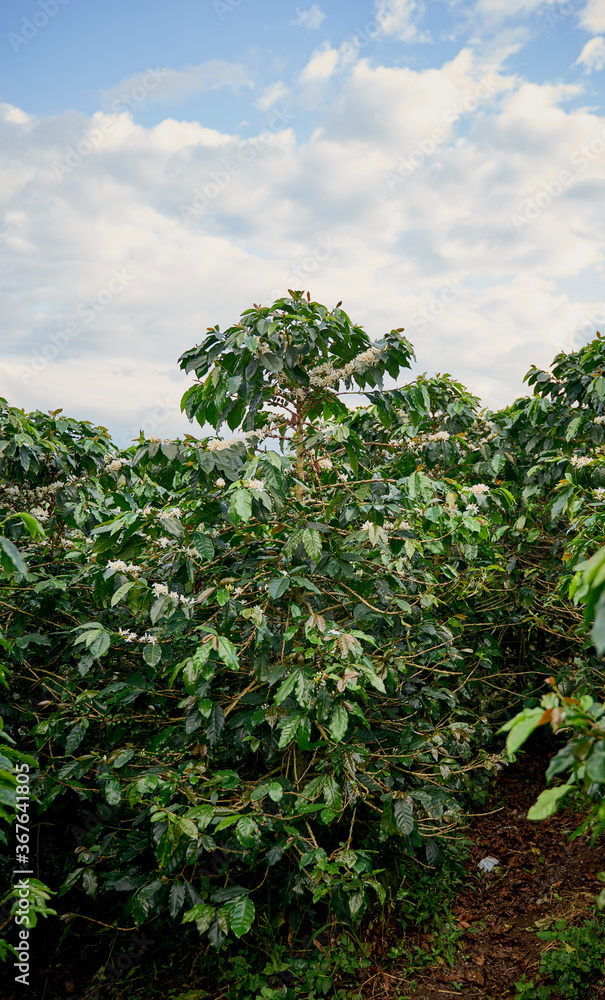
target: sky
165 164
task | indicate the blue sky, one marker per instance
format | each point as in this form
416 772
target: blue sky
438 166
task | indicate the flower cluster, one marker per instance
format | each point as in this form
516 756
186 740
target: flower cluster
218 445
471 508
38 493
119 566
599 420
599 493
325 463
326 375
479 488
161 590
133 637
254 484
438 436
40 514
220 482
580 461
170 512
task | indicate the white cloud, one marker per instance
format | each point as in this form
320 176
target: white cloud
399 18
272 95
169 86
206 224
312 18
592 55
592 16
320 66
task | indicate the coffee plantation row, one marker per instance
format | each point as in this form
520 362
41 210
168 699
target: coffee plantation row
256 677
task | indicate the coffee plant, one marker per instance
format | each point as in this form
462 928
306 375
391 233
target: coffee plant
258 677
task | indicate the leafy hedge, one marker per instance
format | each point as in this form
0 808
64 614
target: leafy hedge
270 667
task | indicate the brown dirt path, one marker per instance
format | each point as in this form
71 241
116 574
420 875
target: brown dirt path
542 877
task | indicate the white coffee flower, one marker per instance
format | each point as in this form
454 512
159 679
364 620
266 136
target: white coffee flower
128 635
160 589
220 483
170 512
580 461
254 484
438 436
325 463
118 565
479 488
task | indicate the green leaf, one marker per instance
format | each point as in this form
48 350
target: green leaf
228 653
276 792
202 815
89 882
595 763
331 793
112 792
339 721
204 546
98 644
240 506
121 592
76 735
278 587
287 686
215 725
403 811
242 916
202 915
33 525
521 727
547 802
311 540
247 831
188 827
123 758
10 557
152 654
194 668
288 728
176 899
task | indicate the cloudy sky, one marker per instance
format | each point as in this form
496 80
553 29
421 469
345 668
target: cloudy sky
166 163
